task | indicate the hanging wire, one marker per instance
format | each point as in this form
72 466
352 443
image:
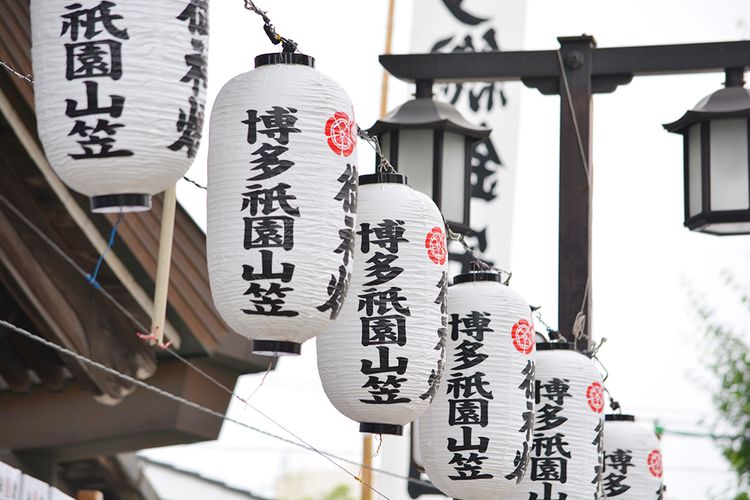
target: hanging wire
171 352
479 263
161 392
287 44
552 333
383 164
15 73
196 184
613 404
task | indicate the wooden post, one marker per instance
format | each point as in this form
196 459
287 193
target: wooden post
158 318
388 43
576 177
366 470
90 495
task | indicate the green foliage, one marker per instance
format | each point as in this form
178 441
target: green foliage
340 492
729 361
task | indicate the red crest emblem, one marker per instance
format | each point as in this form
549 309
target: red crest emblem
341 133
523 336
435 244
595 397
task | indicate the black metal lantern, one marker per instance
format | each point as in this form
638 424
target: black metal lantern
431 143
717 159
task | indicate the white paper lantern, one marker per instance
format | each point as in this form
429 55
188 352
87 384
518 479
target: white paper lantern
282 195
567 451
381 361
10 482
120 89
632 460
475 438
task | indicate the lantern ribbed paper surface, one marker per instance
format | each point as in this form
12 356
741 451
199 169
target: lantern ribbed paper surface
120 89
476 436
632 460
282 194
567 451
380 362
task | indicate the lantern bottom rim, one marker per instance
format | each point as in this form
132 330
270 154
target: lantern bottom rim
121 202
276 348
376 428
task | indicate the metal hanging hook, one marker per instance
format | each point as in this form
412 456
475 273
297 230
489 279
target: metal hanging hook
287 44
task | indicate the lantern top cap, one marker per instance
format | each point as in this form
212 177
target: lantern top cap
554 346
383 178
614 417
284 58
729 102
425 112
478 276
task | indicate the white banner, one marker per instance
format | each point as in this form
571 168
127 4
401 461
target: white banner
480 26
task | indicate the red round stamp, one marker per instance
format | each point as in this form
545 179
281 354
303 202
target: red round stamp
595 397
435 244
523 336
341 134
654 463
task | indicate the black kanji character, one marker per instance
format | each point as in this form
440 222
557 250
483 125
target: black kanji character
380 330
468 412
190 124
550 445
268 301
466 442
388 234
468 468
93 59
92 104
382 301
460 386
520 462
267 272
384 366
89 19
381 269
549 469
268 161
337 288
475 325
269 232
196 13
269 199
384 392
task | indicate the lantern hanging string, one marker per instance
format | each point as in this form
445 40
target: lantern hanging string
480 264
91 278
384 165
552 333
301 443
287 44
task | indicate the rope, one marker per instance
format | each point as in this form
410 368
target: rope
15 73
91 278
191 181
166 394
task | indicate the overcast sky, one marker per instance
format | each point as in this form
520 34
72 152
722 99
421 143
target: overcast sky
645 262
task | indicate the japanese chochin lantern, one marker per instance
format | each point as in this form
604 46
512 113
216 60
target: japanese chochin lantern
381 361
567 451
282 196
120 90
475 438
632 460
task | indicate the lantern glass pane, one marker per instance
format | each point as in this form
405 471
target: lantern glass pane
695 183
454 175
729 165
415 158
